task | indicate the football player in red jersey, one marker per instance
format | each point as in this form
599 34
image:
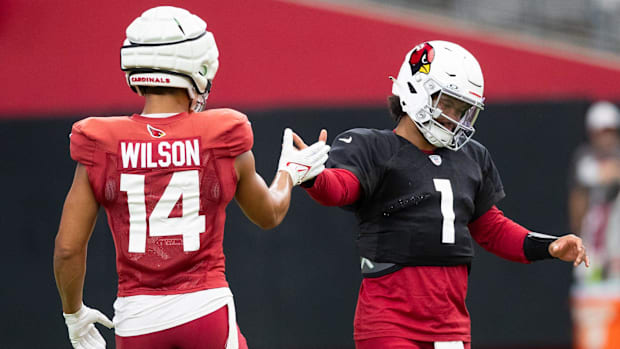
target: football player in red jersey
422 193
164 178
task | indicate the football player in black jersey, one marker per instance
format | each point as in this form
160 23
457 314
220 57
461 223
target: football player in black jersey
422 193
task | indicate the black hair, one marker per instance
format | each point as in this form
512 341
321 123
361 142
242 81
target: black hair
396 110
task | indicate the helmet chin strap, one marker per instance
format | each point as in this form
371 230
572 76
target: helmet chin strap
198 101
198 104
424 120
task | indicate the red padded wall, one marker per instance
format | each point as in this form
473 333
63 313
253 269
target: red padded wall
62 57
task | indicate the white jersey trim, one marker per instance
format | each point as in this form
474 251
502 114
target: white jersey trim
143 314
158 115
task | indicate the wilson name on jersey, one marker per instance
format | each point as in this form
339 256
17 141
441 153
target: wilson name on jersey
164 183
415 206
160 154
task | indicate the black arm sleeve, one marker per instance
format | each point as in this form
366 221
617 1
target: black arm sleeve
536 246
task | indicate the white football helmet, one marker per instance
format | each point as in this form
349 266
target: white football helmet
434 68
169 46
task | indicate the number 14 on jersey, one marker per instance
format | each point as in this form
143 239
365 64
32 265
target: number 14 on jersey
183 185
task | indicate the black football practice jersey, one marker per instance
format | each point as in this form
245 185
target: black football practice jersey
415 207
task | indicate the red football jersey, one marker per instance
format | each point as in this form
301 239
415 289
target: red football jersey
165 184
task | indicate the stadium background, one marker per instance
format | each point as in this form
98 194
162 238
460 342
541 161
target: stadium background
287 64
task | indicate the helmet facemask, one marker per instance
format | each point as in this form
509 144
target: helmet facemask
443 130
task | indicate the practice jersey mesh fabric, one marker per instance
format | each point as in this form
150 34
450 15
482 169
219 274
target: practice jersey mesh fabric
164 183
415 207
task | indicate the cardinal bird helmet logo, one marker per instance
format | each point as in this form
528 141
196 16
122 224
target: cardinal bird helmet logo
155 133
421 58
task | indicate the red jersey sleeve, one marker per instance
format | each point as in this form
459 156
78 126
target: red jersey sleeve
82 146
335 187
237 136
499 235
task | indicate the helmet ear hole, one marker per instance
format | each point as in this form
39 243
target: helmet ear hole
203 70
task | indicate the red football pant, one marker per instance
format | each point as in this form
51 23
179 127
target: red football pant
207 332
395 343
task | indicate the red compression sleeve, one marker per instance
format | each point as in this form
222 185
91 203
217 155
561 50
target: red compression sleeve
499 235
335 187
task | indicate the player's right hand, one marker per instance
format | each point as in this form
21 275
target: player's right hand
305 163
82 331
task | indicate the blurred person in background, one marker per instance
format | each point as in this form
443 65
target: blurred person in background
422 193
595 217
164 178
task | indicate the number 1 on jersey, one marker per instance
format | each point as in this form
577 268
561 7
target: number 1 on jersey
444 187
183 185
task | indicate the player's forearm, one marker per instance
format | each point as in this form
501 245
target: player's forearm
76 225
69 271
280 199
500 235
335 187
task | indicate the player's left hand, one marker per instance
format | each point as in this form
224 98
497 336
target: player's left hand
82 331
569 248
